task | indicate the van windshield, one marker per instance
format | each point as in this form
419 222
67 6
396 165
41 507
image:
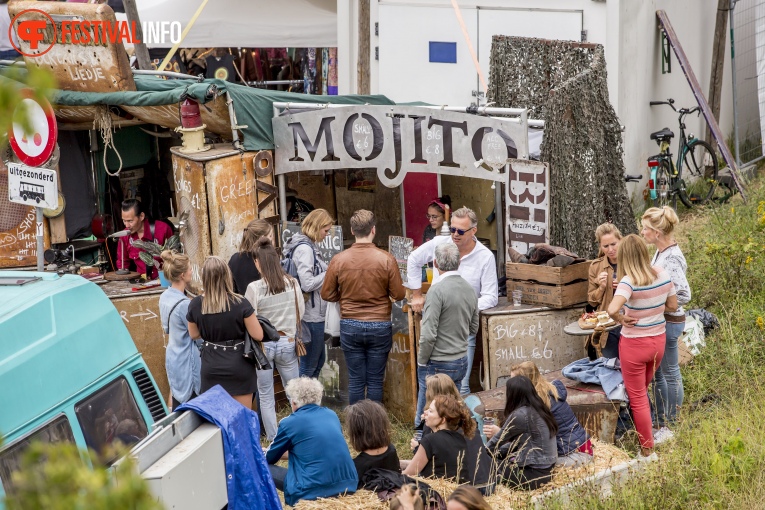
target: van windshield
111 415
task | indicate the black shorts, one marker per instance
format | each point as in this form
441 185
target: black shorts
225 365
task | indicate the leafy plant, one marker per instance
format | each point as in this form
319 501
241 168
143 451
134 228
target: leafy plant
149 250
58 476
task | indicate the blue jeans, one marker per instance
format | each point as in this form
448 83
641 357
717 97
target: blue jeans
455 369
366 346
311 363
611 349
668 382
282 356
279 474
464 386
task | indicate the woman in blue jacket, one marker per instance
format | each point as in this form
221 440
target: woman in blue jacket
320 464
573 442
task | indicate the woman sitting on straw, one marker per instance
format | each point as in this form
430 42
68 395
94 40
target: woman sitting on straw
574 445
477 460
320 464
442 453
524 448
369 433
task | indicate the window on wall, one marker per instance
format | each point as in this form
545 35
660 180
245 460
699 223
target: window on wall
56 431
111 415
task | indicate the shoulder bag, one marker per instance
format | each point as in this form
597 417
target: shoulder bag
299 345
253 352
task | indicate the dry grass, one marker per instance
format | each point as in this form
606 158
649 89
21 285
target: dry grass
606 456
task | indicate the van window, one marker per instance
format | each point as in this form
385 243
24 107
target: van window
56 431
109 415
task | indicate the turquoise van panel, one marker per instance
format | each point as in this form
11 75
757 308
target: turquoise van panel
57 336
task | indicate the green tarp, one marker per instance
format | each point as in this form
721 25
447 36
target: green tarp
253 107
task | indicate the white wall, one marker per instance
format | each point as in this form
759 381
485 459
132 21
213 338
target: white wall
628 30
640 79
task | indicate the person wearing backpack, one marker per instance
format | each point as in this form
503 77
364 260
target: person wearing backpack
303 261
182 359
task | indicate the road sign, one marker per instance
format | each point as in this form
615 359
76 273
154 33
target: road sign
34 148
32 186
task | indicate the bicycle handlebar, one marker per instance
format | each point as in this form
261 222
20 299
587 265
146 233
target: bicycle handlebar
632 178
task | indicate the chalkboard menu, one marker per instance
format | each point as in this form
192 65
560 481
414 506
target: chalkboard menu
400 248
331 246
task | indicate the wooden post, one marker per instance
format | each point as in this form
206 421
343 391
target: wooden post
141 51
362 84
718 63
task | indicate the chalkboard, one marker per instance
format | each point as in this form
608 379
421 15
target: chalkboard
400 248
331 246
536 336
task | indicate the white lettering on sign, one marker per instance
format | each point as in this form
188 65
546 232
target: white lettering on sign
86 73
517 352
331 246
399 347
39 230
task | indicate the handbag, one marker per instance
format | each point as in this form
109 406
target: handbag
332 320
299 345
253 352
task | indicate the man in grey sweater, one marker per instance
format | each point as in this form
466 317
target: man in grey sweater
450 315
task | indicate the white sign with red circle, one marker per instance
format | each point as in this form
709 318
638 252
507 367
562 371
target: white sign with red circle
36 147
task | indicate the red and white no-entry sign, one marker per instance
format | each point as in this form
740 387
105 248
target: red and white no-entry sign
34 148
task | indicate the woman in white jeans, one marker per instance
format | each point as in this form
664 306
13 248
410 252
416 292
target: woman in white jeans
276 296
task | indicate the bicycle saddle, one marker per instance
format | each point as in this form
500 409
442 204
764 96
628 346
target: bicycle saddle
664 134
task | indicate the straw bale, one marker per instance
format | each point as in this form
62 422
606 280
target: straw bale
504 498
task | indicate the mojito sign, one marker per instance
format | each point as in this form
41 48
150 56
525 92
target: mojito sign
396 140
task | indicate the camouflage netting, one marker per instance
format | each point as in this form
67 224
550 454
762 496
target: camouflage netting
564 84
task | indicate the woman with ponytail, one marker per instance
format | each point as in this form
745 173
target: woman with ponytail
277 297
182 361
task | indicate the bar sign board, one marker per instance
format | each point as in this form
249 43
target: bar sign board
33 186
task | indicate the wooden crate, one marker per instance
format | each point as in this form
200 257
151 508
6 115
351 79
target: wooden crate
548 274
556 287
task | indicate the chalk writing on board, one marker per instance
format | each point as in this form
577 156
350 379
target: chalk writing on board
400 248
399 346
331 246
518 352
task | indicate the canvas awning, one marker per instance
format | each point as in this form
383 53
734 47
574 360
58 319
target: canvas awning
250 24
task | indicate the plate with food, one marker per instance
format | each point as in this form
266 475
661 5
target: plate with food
592 320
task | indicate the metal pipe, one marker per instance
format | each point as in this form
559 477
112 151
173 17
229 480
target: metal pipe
733 77
275 82
499 215
169 74
281 180
232 121
40 246
13 62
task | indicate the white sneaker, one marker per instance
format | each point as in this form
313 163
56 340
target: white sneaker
662 435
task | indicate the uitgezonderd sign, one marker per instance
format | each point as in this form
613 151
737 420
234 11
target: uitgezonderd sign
396 140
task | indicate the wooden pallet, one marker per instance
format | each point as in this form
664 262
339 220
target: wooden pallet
556 287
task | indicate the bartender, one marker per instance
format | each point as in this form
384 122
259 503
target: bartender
436 217
140 228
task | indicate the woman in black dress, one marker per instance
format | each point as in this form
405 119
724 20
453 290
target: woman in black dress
221 318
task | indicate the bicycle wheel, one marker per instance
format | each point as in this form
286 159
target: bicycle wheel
701 165
663 187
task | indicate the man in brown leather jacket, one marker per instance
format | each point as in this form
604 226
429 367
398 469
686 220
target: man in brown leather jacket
365 280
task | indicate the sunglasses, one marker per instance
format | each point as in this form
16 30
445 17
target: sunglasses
460 231
434 216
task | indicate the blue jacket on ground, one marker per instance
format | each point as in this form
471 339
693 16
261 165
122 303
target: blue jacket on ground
571 434
603 371
248 482
320 464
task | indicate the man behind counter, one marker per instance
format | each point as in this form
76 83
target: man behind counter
140 228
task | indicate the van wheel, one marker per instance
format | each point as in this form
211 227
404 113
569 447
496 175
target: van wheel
24 196
37 199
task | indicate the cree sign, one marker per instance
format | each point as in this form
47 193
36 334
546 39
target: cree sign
396 140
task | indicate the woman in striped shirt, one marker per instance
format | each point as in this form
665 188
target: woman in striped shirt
643 295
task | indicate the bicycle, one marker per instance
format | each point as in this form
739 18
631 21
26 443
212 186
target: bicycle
666 183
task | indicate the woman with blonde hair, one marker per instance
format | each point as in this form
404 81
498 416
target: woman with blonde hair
573 442
182 361
602 282
222 317
242 263
276 297
302 248
658 226
642 297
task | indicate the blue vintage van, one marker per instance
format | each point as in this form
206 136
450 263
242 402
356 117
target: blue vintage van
69 370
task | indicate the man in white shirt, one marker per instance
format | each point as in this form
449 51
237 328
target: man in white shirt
478 267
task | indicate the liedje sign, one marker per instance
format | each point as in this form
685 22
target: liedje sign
396 140
32 186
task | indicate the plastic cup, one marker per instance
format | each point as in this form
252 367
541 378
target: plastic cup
429 274
417 435
517 296
489 421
